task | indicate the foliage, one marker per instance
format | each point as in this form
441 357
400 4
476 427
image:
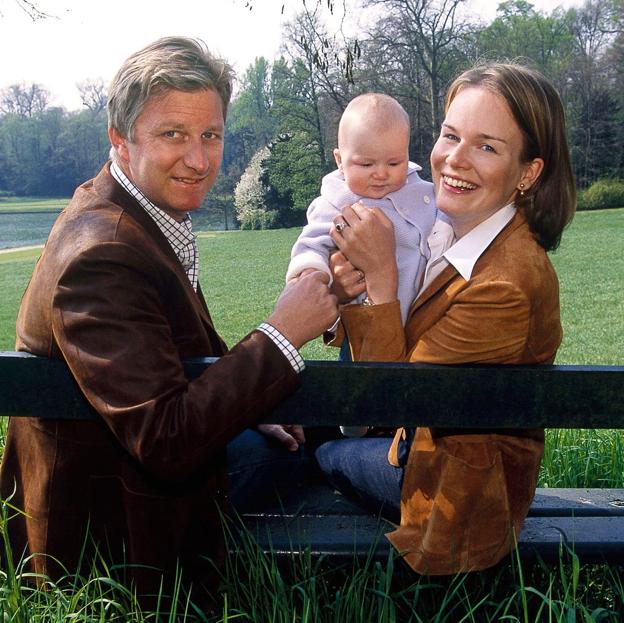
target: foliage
410 49
50 152
602 194
583 458
294 172
251 193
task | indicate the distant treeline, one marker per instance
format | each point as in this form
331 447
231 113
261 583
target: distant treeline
286 112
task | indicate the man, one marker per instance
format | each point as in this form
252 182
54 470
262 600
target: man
115 295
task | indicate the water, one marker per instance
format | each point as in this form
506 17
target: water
25 228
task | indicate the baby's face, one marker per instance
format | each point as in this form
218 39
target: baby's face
374 163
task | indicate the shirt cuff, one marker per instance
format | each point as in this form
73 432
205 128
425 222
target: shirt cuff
290 352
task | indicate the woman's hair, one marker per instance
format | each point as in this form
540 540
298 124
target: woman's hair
169 63
535 105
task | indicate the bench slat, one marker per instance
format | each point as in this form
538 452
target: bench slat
578 503
318 499
340 538
375 394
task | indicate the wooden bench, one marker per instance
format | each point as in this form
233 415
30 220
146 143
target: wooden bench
588 521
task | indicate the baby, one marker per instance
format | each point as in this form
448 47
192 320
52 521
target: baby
374 170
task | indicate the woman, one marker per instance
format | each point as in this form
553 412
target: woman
505 191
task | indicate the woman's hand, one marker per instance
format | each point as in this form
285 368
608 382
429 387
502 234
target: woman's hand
366 237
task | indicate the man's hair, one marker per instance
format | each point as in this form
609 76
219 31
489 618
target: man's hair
178 63
535 105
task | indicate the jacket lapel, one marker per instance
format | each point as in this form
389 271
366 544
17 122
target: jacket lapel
108 188
450 272
447 275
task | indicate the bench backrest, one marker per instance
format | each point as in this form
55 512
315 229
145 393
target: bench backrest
381 394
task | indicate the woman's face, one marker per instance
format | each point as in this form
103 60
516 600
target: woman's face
475 162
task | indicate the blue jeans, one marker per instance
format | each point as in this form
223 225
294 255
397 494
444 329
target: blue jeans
359 468
261 471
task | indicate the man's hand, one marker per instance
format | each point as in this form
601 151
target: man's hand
289 435
305 308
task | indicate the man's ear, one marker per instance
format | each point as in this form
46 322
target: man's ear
119 143
338 158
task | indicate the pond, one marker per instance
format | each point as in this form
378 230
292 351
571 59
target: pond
23 229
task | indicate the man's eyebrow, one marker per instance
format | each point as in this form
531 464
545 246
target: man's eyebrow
487 137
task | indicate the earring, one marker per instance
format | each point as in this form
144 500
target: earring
522 189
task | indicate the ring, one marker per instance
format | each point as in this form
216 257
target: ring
340 226
360 275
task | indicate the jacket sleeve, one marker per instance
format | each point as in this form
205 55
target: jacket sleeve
112 322
485 323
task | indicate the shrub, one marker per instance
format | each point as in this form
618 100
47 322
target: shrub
250 194
602 194
258 218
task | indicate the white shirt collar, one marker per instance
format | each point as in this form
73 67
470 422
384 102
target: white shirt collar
463 255
179 234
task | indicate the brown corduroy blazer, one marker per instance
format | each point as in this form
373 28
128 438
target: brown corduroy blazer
465 496
110 297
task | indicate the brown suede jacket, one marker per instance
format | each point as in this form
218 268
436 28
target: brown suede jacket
110 297
465 496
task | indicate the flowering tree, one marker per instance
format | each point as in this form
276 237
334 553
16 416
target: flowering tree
250 195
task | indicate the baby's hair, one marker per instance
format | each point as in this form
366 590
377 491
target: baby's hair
380 111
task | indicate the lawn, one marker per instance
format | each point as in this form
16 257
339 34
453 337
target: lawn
32 204
242 274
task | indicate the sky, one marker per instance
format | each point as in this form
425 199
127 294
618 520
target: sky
89 39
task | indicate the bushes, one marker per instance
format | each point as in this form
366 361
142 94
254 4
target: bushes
602 194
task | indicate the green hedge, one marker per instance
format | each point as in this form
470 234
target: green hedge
602 194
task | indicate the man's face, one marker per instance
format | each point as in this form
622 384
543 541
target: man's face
176 149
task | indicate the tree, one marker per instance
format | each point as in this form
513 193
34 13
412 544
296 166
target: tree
93 94
31 9
24 100
519 31
250 195
425 33
593 109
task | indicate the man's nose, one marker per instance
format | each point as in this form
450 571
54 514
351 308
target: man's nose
196 156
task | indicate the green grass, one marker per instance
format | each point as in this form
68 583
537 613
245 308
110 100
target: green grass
15 270
260 588
590 265
242 274
32 204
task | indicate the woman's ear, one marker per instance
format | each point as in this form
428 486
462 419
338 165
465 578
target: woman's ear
531 173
